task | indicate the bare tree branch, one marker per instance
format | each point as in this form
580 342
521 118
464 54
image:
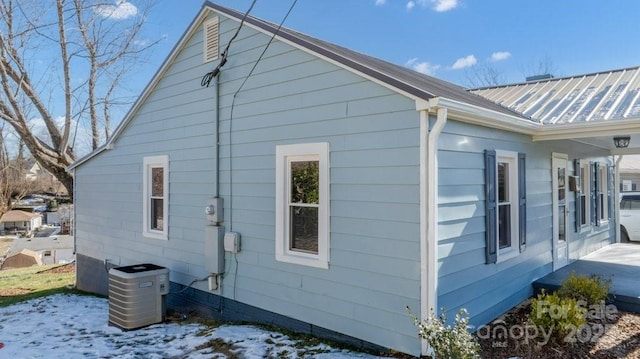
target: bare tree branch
79 55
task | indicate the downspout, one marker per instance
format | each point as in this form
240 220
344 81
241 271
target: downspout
429 208
216 167
72 218
616 195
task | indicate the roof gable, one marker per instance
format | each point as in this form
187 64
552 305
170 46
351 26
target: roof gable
398 78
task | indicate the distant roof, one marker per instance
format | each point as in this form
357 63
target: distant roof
601 96
17 216
25 252
42 243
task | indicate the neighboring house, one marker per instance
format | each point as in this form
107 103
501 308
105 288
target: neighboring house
50 250
22 259
37 172
357 188
20 221
630 174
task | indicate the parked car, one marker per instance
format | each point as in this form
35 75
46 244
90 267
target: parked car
630 216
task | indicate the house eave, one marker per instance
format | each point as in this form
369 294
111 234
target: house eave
476 115
588 129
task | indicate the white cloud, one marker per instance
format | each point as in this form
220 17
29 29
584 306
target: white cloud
500 55
464 62
443 5
436 5
120 11
380 2
422 67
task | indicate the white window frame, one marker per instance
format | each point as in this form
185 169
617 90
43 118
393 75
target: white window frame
149 163
511 158
285 154
585 179
604 190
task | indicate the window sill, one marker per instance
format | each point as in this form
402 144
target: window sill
301 259
155 235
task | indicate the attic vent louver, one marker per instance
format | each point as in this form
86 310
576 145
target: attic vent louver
211 40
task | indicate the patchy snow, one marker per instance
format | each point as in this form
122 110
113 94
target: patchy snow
74 326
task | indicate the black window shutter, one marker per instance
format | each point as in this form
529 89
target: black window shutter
491 240
522 201
595 201
578 203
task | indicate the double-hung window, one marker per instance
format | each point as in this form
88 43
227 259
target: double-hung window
593 195
155 205
302 204
505 204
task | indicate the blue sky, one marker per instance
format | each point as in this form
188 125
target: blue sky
448 39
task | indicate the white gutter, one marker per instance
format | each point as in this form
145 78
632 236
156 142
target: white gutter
616 195
429 209
488 118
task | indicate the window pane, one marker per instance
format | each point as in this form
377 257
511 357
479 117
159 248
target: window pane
157 217
157 181
304 229
305 181
503 182
504 226
561 225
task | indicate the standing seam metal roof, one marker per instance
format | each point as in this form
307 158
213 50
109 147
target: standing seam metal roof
600 96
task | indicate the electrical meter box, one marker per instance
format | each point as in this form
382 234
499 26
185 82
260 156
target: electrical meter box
137 295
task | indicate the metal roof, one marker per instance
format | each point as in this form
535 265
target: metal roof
601 96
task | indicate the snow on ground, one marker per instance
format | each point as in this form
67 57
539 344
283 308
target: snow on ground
74 326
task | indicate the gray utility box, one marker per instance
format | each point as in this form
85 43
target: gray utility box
137 295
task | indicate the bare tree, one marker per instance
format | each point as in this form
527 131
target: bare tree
61 63
13 181
484 75
544 66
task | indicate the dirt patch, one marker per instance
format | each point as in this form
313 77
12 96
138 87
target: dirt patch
65 268
10 292
611 336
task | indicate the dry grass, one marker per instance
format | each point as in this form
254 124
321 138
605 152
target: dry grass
17 285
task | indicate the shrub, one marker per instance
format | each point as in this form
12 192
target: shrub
557 315
592 289
446 341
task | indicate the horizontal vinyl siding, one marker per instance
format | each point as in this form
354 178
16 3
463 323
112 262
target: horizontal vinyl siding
488 290
291 97
373 138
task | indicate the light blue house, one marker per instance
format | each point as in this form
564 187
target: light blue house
350 187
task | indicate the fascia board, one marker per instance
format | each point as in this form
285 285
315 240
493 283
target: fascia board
464 112
563 131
